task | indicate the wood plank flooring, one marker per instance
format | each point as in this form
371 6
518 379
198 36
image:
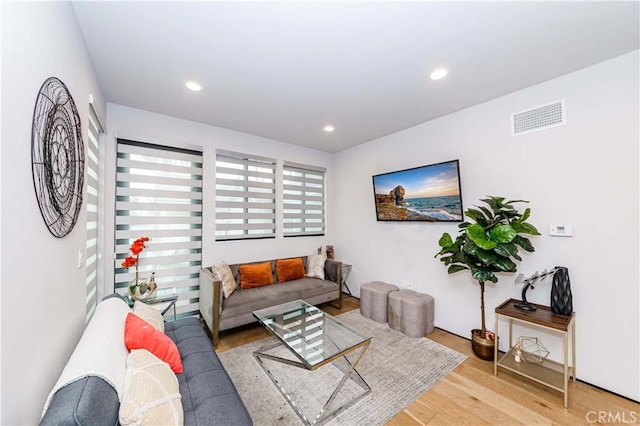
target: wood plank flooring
472 395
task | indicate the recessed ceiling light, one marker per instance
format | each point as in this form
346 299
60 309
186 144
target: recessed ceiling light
192 85
329 128
438 74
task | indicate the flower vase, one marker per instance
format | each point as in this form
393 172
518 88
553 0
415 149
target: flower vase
139 290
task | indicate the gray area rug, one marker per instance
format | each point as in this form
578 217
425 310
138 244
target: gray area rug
397 368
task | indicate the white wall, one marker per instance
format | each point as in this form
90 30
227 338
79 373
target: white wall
134 124
583 174
43 295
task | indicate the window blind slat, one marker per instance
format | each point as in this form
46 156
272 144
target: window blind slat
186 181
146 193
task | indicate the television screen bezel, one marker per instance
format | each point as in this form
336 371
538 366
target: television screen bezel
373 181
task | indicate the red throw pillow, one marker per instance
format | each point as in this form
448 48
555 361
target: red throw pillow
255 275
139 334
289 269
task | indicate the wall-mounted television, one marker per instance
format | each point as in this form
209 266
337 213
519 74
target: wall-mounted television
429 193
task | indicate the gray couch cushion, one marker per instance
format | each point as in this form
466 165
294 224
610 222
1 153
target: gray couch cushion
274 294
88 401
209 397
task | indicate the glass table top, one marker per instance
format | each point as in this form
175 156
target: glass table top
314 336
162 294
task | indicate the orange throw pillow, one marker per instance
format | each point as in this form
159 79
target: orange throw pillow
255 275
139 334
289 269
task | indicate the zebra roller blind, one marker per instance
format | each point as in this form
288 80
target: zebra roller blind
92 206
159 195
245 196
304 200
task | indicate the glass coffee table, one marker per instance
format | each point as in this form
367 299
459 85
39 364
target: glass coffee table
316 339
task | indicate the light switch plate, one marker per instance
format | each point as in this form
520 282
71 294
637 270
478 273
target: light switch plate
561 230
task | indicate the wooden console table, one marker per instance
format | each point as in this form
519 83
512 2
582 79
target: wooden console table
549 373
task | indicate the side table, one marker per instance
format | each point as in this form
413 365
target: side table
162 295
548 373
346 270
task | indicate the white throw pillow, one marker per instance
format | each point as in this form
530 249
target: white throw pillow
226 276
149 314
151 392
315 266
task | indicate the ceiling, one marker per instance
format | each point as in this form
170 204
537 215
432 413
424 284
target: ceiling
284 70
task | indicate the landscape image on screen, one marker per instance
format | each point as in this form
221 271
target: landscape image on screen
428 193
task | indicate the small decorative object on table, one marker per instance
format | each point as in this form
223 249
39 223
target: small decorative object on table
528 283
139 288
530 349
561 298
329 252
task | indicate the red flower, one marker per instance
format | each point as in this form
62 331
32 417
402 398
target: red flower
136 248
129 261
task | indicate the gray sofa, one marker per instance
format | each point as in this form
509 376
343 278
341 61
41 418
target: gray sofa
223 314
209 397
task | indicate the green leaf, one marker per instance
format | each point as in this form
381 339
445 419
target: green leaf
525 228
525 215
445 240
456 268
487 257
483 275
524 243
470 248
493 203
506 250
463 225
502 234
486 212
459 257
477 216
516 201
505 264
477 234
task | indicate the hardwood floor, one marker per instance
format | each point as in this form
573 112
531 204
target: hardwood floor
472 395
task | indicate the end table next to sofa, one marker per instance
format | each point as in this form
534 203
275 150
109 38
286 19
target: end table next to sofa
162 295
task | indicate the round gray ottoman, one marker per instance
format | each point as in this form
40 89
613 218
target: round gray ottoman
430 311
414 316
395 307
373 300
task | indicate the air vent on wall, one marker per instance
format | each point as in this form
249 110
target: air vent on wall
540 118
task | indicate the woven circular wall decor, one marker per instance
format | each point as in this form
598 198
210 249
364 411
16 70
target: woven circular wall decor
57 157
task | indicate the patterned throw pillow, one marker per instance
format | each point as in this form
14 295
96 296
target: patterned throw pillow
226 276
139 334
289 269
149 314
315 266
255 275
151 394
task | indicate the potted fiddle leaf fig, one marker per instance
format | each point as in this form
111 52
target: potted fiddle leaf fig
486 247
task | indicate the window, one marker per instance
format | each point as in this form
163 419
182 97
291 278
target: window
245 196
303 197
92 205
159 195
